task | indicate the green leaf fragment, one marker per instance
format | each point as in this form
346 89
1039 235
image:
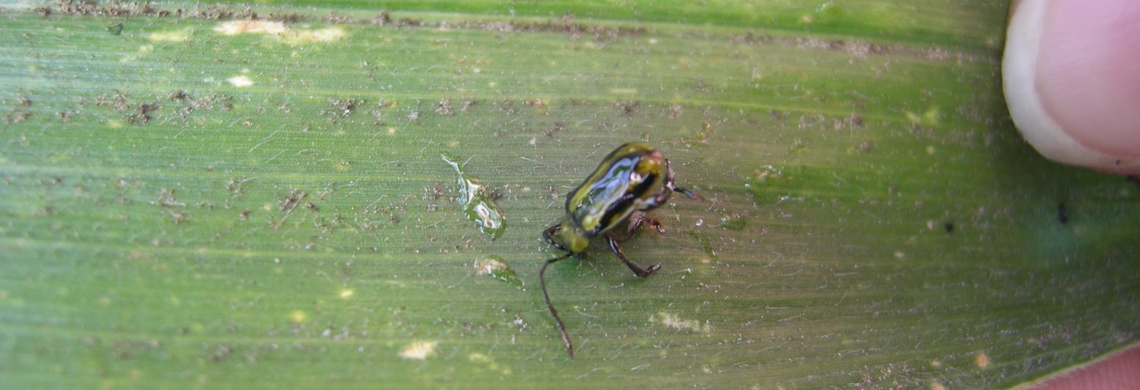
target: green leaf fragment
476 204
495 267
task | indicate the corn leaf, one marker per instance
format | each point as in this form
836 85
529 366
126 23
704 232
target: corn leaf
222 196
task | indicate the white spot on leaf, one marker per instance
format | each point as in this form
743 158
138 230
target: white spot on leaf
298 316
676 322
296 37
169 36
240 81
981 360
279 31
235 27
419 350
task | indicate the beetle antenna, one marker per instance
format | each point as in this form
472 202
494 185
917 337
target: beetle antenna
542 283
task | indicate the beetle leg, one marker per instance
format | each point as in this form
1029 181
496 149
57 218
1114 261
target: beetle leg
548 234
632 266
620 239
656 225
639 218
557 320
670 185
656 200
687 193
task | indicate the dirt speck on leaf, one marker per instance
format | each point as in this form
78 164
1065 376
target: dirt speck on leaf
627 108
290 201
538 105
444 107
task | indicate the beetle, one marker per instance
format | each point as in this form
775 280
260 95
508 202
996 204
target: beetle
630 181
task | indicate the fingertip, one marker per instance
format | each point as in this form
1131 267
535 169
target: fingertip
1119 370
1073 90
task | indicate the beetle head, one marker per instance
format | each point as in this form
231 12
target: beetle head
574 238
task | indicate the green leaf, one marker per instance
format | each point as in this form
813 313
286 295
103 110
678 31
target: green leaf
202 196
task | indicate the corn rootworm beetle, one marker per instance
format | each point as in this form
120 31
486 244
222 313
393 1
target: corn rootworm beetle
631 180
